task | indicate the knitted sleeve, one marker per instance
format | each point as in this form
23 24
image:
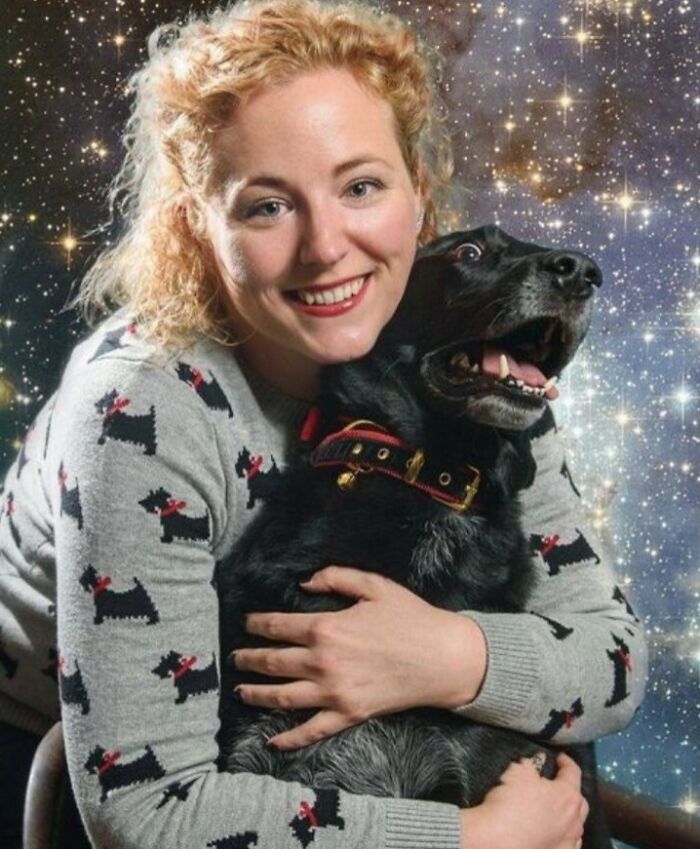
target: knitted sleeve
139 501
573 668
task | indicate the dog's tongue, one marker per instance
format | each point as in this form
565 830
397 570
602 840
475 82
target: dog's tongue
527 372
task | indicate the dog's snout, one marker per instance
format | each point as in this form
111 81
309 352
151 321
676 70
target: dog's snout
572 274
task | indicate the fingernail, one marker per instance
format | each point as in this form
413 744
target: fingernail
232 659
237 695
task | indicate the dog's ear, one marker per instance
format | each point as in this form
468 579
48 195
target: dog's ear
515 467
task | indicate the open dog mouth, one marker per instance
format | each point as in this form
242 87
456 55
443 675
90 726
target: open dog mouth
523 364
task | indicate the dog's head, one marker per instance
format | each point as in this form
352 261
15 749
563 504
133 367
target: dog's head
487 323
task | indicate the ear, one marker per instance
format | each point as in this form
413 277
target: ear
526 467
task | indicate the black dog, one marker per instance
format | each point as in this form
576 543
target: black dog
134 603
173 523
422 489
116 424
113 775
188 681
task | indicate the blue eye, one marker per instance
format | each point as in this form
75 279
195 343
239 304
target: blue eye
258 209
373 183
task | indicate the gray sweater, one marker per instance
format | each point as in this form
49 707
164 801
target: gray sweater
130 485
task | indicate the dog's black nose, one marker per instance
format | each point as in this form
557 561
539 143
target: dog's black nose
572 274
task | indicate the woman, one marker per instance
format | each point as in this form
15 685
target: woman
276 150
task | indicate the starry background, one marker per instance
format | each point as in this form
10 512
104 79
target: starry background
575 124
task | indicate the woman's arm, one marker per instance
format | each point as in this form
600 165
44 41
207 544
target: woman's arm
138 511
574 667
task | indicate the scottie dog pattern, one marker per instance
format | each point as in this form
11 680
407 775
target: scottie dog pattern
188 681
112 340
113 775
173 523
134 603
241 840
70 498
324 813
556 556
620 598
260 484
559 719
177 790
559 631
72 687
210 392
566 474
622 664
116 424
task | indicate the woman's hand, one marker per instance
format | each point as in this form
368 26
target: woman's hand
526 811
389 652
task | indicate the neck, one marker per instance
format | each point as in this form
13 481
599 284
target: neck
285 369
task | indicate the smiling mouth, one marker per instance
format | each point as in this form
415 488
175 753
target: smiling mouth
522 365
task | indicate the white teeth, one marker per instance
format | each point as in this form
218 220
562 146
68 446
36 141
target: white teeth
475 368
504 370
520 383
550 383
332 296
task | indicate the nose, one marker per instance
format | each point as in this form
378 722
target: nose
572 274
323 237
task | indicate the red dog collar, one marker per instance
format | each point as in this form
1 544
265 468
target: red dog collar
364 446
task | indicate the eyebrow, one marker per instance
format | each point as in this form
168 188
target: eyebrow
271 182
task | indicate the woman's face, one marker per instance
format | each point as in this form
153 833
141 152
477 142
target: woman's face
311 190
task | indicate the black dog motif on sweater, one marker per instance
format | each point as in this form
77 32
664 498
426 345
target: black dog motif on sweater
116 424
433 390
177 790
326 812
241 840
260 484
188 681
620 598
622 664
113 775
112 341
173 523
72 687
557 556
211 393
559 719
134 603
559 631
70 498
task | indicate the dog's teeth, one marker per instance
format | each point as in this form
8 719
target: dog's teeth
550 383
461 361
505 371
475 368
520 383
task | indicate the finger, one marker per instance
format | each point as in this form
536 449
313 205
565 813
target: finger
283 627
292 696
346 580
323 724
568 771
290 662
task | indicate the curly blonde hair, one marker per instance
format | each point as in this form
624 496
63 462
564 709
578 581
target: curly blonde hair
195 75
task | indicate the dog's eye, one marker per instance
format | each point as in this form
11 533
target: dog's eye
468 251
